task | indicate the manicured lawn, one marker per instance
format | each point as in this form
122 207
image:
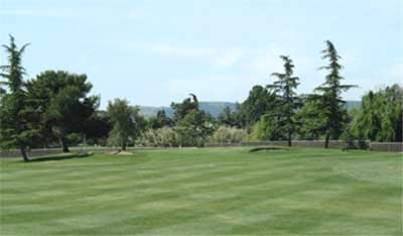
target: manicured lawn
217 191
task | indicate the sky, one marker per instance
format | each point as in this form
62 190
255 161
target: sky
153 52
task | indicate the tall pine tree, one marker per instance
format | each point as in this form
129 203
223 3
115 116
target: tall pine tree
16 129
287 100
331 107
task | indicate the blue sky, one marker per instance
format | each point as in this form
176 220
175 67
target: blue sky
154 52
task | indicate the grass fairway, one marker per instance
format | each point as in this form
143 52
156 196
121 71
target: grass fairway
217 191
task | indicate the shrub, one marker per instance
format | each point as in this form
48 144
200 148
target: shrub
226 134
162 137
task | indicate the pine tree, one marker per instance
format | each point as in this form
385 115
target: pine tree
16 128
330 104
287 100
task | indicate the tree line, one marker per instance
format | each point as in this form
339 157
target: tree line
55 109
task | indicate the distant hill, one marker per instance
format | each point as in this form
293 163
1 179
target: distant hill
214 108
353 104
149 111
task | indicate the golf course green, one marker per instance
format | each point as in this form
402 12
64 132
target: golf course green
205 191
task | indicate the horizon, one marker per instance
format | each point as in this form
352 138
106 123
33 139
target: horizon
155 53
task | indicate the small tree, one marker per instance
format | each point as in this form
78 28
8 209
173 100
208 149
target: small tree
126 121
192 125
183 108
17 130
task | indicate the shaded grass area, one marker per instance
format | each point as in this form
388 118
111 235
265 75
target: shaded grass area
211 191
267 148
61 156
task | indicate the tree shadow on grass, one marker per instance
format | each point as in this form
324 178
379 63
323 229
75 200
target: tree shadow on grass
268 148
60 157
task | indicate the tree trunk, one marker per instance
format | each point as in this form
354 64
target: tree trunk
63 142
85 139
289 139
327 140
24 154
124 144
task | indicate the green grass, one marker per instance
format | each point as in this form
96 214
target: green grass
216 191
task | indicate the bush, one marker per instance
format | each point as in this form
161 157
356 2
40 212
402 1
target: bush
226 134
74 139
267 128
162 137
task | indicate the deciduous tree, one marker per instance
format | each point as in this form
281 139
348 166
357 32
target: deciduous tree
126 120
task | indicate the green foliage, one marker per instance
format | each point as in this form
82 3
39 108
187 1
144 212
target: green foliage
330 106
194 128
17 127
267 128
74 138
127 123
162 137
182 109
61 98
311 126
287 102
225 134
160 120
230 118
259 102
97 128
380 117
192 125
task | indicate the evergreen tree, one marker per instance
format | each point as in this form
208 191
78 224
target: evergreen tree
17 128
331 109
62 99
287 100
